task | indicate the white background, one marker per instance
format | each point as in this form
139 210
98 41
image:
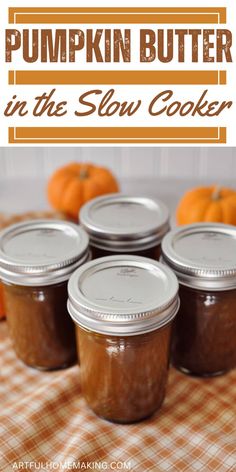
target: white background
164 173
203 163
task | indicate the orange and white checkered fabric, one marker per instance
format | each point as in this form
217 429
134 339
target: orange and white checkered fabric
46 425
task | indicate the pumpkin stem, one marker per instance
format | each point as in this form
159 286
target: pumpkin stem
216 193
83 173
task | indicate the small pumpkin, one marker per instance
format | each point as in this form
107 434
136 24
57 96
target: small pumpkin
74 184
207 204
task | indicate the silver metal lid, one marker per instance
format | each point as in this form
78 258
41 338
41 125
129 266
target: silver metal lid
41 252
121 223
202 255
123 295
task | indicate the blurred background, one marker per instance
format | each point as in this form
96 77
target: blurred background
162 172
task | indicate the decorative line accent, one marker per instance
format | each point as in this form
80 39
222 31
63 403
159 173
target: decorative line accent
117 135
35 77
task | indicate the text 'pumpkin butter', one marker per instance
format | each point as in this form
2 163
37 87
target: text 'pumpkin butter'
207 204
74 184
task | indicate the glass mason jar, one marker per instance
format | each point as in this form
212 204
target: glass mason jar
36 261
203 257
123 308
119 224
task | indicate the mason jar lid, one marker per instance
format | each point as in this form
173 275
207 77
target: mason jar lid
123 295
202 255
41 252
123 223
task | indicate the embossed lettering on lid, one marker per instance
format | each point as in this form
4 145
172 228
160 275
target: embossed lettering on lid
41 251
123 295
202 255
123 222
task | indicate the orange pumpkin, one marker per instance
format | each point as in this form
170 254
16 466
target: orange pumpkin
207 204
74 184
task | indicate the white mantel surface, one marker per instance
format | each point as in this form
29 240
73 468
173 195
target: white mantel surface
20 195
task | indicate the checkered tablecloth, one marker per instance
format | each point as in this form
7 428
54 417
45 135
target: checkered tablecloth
46 425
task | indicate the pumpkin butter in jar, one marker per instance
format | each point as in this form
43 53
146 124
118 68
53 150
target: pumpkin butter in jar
120 224
123 308
36 261
203 257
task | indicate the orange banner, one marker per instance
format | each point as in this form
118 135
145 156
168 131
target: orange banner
174 77
117 15
36 135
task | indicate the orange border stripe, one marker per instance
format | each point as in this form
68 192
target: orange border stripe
223 77
117 15
117 77
116 135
